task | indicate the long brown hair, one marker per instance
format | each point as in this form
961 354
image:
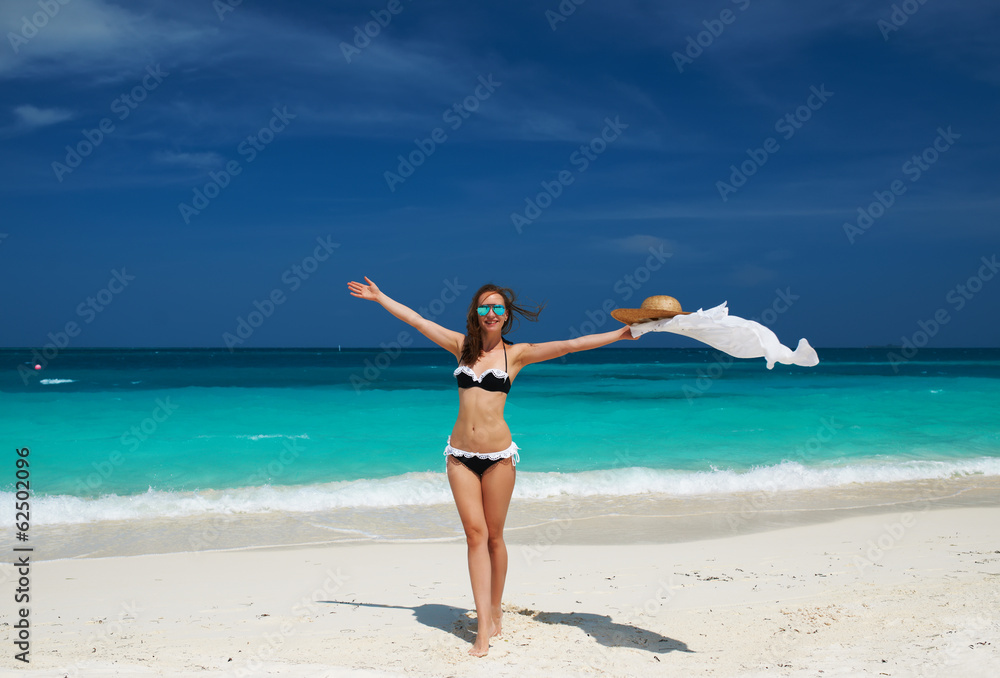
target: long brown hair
473 347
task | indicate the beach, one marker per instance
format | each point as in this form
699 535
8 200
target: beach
905 590
676 323
194 513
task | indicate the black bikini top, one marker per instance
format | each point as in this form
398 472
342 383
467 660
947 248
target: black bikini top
497 381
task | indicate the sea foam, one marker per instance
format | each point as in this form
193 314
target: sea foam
426 489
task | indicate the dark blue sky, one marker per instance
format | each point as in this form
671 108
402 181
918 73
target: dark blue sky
634 126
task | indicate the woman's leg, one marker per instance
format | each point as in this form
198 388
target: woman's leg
468 492
498 485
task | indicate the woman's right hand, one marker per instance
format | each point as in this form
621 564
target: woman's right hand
369 291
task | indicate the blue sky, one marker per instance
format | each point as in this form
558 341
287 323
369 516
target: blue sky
628 117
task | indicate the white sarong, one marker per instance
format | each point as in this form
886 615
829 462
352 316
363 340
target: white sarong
739 337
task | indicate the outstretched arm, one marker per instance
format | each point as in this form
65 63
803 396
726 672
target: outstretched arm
536 353
449 340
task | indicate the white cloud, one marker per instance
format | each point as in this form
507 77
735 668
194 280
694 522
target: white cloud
197 160
300 61
29 116
92 38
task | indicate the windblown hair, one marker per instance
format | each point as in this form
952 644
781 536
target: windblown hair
473 347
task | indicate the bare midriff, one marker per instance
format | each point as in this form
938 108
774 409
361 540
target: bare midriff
480 426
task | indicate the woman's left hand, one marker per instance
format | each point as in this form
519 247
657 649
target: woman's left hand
627 333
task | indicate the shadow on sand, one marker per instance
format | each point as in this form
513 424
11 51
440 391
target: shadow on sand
444 617
600 627
609 633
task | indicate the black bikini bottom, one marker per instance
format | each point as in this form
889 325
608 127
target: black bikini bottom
477 465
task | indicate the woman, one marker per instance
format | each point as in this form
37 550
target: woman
480 453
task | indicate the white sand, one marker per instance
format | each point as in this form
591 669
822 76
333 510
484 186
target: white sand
893 594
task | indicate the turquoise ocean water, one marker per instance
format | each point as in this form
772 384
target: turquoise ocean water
130 434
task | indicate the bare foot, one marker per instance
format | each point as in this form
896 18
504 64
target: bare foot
497 623
483 634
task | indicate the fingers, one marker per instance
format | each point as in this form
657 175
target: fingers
361 291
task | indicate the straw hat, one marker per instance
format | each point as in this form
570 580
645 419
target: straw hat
653 308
